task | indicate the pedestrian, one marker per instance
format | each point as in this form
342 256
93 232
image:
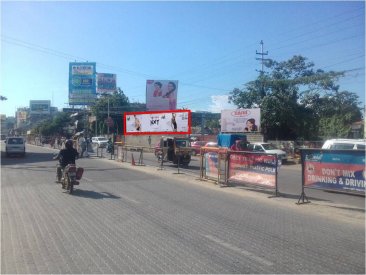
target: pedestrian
82 145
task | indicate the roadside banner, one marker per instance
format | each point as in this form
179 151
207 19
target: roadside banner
157 122
342 170
240 120
211 164
253 168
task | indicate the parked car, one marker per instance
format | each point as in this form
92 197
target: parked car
14 145
100 141
196 145
211 144
268 148
345 144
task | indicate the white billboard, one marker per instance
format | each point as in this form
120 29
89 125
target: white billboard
161 95
240 120
164 122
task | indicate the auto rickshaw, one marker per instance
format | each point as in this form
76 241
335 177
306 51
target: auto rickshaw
174 149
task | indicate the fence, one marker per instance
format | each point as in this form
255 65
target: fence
249 168
335 170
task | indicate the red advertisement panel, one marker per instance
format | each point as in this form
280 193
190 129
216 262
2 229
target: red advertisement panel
258 169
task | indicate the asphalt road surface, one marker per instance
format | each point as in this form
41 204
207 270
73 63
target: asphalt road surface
132 219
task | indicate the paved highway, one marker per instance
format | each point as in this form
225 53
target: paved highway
132 219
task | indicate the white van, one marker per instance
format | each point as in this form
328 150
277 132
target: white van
344 144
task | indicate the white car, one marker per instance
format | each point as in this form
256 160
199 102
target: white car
345 144
14 145
100 141
268 148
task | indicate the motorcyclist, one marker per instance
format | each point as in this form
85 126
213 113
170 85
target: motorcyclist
66 156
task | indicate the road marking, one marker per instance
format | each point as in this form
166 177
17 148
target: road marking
239 250
129 199
87 179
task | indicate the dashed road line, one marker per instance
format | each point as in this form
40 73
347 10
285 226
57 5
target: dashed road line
239 250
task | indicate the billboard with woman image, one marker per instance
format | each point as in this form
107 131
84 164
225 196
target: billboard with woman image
161 95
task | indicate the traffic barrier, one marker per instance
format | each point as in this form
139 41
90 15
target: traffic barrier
241 167
133 163
333 170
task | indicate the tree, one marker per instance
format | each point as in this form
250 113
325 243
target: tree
118 104
54 126
292 97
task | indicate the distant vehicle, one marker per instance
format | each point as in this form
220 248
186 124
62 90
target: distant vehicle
196 146
345 144
176 150
211 144
100 141
3 137
268 148
14 145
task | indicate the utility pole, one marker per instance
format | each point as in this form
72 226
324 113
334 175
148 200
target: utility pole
261 72
261 58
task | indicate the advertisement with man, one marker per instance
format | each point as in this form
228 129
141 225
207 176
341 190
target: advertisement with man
240 120
163 122
82 84
161 95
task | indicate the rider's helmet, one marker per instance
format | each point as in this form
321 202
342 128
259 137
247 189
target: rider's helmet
68 144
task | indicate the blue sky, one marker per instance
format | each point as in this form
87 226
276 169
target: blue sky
209 47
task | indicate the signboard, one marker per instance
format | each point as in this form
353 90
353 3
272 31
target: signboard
334 169
211 164
39 107
82 86
240 120
161 94
158 122
106 83
253 168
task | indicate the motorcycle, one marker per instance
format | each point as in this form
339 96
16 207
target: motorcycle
69 176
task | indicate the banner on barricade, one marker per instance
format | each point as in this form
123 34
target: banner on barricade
211 164
253 168
342 170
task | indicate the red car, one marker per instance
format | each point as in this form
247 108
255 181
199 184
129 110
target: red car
196 145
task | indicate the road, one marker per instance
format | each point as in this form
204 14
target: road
131 219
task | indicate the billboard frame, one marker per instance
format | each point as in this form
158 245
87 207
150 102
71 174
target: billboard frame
156 133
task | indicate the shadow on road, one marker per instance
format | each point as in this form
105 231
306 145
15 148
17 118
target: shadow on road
30 157
93 195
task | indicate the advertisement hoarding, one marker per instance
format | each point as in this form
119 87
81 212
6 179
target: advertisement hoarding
342 170
106 83
158 122
253 168
211 164
40 107
82 86
240 120
161 95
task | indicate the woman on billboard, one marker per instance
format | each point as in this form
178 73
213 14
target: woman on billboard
171 95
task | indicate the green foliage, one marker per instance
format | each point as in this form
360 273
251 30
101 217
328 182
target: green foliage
118 104
295 99
53 126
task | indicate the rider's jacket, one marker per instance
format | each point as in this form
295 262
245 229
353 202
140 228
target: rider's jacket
67 156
